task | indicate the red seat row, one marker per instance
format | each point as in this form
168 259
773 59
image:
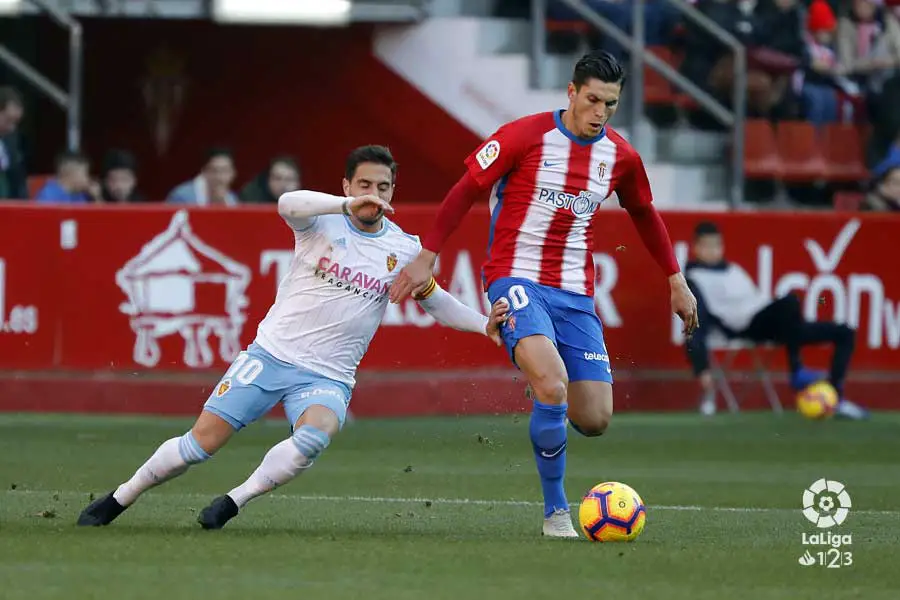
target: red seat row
797 152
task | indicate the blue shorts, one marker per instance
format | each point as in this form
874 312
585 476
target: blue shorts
568 319
257 381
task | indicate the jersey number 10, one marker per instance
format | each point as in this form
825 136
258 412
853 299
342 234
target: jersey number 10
245 369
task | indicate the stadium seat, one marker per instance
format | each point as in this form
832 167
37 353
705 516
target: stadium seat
800 150
848 201
760 151
657 89
730 349
36 182
844 156
557 26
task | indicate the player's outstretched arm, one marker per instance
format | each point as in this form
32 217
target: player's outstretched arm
301 208
457 203
450 312
636 198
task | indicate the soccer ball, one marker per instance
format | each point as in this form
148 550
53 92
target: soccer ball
612 512
817 401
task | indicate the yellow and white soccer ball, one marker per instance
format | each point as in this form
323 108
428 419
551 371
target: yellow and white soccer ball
817 401
612 512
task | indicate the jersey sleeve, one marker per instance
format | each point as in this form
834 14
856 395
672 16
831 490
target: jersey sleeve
499 154
633 186
301 224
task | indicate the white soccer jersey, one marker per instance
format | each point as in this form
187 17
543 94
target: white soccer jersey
335 294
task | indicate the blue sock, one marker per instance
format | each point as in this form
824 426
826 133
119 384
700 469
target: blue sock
548 438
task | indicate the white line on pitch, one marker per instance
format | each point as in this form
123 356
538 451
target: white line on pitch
454 501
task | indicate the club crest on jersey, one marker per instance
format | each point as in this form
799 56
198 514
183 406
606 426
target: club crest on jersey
487 155
391 261
223 387
601 170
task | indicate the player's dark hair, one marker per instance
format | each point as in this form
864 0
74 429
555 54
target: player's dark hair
705 228
285 160
379 155
10 95
218 151
118 159
598 65
68 157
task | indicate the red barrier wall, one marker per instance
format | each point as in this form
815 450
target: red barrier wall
130 308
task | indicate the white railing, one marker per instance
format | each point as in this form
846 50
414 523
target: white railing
70 100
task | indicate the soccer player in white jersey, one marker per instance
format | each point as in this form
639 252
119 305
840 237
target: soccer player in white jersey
309 345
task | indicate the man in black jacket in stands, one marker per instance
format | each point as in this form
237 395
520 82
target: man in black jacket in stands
728 300
13 179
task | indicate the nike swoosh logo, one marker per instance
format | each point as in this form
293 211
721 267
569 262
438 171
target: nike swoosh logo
549 163
546 454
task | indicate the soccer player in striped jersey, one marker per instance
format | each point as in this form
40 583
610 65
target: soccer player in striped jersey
547 175
309 345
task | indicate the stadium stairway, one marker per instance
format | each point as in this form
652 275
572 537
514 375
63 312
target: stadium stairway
477 68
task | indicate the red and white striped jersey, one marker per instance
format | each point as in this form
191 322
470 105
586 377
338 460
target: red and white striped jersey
547 185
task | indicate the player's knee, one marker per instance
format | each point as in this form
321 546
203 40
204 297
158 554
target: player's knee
594 423
310 441
594 426
550 390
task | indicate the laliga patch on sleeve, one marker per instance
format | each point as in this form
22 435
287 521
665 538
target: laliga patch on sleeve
487 155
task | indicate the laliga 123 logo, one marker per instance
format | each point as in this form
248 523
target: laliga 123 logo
826 504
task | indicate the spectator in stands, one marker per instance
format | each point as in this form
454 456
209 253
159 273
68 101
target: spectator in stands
728 300
819 81
885 194
710 65
72 184
869 44
777 49
119 178
281 176
212 186
13 176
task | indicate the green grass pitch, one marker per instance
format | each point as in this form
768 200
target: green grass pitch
448 508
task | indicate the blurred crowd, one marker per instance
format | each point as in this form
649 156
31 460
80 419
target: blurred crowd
815 60
116 178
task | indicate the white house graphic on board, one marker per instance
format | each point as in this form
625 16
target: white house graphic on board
178 284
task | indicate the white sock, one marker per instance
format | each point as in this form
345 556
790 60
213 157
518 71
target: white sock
281 463
170 460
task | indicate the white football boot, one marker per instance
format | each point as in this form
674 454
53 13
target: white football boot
559 525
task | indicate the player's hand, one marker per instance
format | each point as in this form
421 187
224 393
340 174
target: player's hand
370 202
498 316
684 304
413 276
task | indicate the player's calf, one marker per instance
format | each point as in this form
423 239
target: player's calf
590 407
282 463
171 459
